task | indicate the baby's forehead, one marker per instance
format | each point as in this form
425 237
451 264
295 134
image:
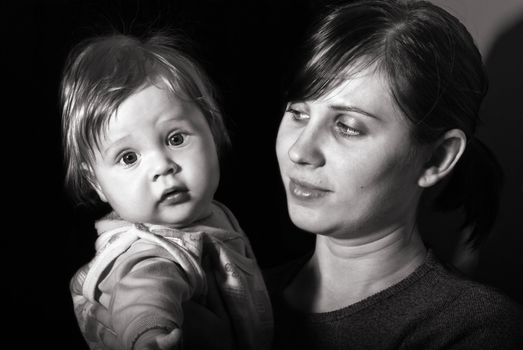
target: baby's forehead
150 106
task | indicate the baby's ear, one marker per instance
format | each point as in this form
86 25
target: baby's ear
92 180
445 155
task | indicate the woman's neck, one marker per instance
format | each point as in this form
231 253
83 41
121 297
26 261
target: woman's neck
344 271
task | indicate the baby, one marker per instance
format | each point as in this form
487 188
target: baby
142 133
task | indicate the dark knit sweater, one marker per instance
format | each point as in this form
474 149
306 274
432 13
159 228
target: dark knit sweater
433 308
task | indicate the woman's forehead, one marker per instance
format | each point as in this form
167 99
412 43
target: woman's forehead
365 86
356 70
358 80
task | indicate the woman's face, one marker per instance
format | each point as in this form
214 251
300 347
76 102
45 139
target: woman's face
347 161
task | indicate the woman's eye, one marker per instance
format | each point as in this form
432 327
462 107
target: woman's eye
129 158
175 139
346 130
297 115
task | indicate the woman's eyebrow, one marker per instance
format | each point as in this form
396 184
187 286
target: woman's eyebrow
347 108
298 104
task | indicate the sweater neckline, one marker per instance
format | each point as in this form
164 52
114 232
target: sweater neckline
429 264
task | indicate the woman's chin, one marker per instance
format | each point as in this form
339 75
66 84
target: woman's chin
307 220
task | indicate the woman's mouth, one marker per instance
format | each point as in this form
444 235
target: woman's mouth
305 191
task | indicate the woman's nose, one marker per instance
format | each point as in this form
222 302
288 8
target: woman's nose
306 150
162 165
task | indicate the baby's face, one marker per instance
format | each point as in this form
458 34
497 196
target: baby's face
157 161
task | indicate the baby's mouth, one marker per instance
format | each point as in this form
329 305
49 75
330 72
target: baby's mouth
174 196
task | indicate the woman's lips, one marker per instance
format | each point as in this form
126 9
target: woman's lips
305 191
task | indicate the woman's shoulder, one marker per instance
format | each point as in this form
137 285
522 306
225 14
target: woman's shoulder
483 305
467 311
473 294
481 298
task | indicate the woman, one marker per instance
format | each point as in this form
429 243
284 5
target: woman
382 113
383 108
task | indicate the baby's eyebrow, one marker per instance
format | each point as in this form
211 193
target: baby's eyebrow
348 108
115 144
173 119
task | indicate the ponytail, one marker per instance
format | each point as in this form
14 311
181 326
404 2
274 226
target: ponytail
475 186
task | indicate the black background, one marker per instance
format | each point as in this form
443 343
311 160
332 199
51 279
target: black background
244 46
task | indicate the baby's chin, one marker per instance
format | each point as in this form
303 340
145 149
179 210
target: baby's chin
180 221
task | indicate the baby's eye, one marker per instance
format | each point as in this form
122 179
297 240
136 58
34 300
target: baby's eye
175 139
129 158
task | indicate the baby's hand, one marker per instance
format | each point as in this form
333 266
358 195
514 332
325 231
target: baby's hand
157 339
169 341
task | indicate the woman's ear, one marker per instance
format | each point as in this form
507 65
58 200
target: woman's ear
445 155
94 183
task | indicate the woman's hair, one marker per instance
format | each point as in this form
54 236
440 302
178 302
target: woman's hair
435 75
102 72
